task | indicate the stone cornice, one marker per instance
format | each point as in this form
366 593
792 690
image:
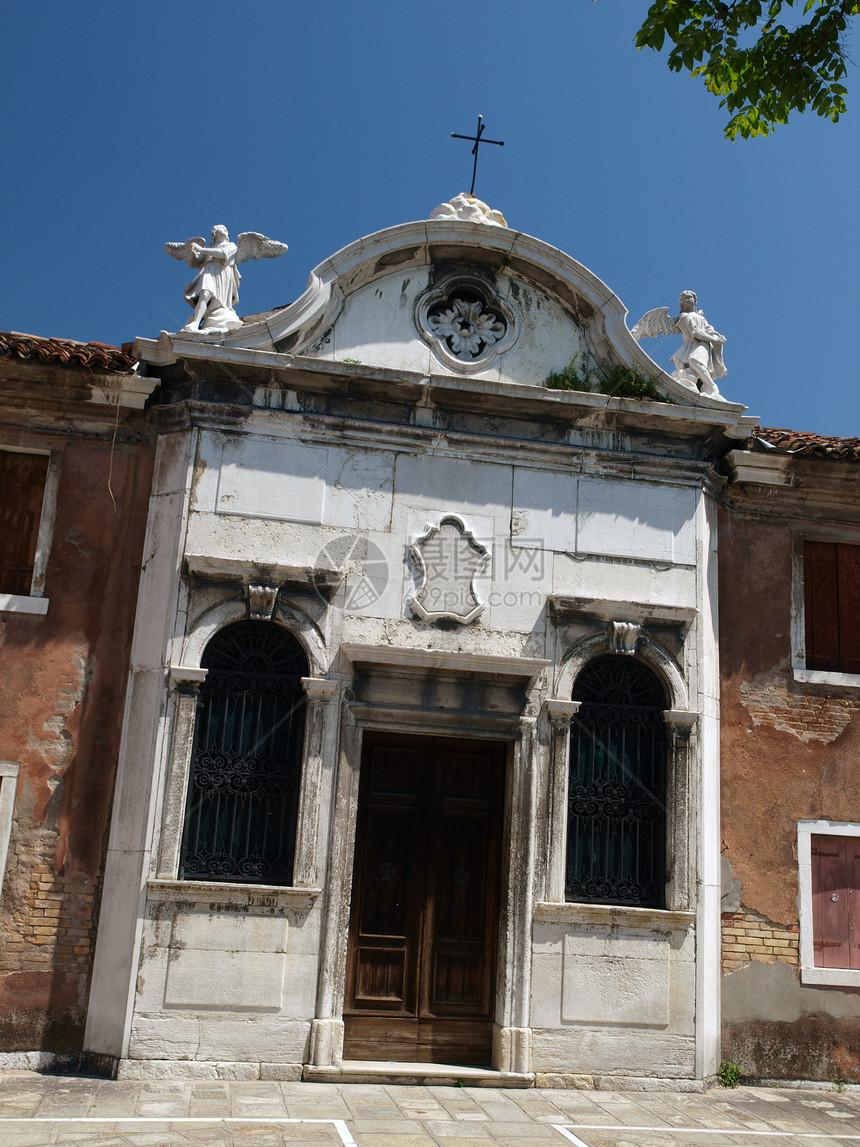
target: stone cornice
522 668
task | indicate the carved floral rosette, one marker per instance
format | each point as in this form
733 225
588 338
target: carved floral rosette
465 322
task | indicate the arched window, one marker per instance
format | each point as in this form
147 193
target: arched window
243 793
616 810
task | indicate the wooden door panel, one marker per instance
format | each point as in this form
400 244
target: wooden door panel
830 901
384 930
425 901
386 883
379 977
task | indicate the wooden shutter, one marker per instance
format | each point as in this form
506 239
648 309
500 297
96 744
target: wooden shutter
853 858
848 578
22 489
821 605
831 594
832 899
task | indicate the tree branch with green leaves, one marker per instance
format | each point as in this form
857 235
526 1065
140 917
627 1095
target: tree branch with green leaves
761 68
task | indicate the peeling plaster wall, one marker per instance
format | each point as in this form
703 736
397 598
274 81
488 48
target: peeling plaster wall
774 1027
789 751
61 697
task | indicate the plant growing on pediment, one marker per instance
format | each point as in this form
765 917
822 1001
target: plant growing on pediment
617 381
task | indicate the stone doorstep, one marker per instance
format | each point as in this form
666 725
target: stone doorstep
417 1074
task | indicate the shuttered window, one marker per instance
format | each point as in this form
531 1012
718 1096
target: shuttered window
836 901
831 592
22 491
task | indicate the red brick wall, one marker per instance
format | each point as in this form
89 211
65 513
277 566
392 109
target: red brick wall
62 684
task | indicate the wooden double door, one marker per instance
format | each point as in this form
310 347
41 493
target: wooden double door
425 900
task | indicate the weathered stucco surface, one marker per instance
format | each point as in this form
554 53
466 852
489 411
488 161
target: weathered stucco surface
61 698
775 1027
789 751
776 769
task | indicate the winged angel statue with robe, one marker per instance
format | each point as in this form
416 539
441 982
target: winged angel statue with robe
699 360
214 290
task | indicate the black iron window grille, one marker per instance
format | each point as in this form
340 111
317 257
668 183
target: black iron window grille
243 793
616 803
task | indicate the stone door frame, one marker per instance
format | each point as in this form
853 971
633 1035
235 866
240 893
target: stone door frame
511 1030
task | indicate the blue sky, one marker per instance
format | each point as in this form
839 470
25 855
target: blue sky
129 125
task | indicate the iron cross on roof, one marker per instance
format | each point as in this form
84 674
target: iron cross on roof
477 140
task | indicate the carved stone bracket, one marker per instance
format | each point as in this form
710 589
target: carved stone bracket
186 680
623 636
262 600
680 722
561 712
320 690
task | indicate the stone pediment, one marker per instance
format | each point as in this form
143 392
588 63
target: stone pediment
450 298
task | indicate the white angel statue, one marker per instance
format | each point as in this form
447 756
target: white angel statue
699 360
214 290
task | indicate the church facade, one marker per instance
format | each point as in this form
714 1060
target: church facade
419 769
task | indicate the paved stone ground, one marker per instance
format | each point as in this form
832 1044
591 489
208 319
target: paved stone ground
37 1110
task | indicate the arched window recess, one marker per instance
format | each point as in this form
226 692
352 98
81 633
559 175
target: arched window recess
243 790
617 786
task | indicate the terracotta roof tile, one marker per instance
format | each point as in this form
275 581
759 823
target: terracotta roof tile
95 356
802 442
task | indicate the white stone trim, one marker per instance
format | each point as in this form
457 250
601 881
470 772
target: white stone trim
270 574
681 721
615 915
647 651
129 391
144 752
513 974
567 608
286 615
528 668
809 973
825 677
318 754
179 675
236 895
185 684
703 810
17 603
759 469
8 785
512 1046
560 713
